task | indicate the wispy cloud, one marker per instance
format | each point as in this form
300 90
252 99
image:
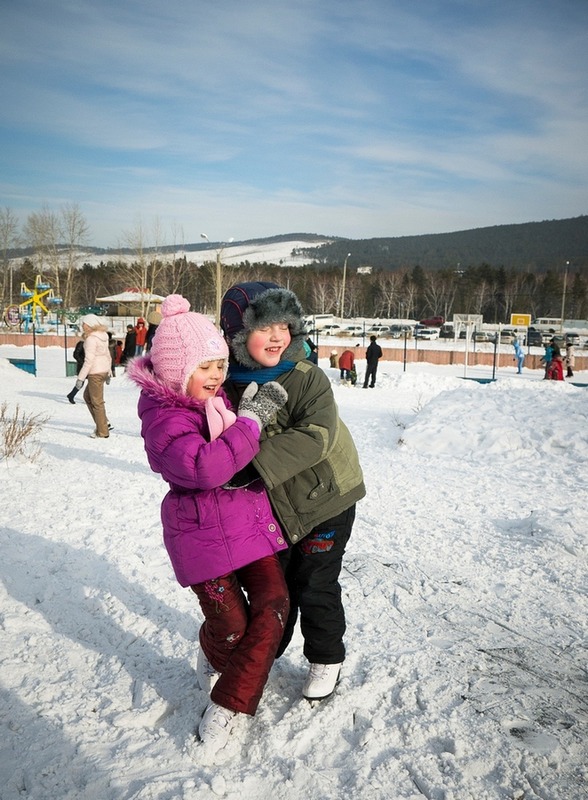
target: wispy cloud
376 118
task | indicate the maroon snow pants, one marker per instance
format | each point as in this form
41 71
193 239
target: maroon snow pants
245 613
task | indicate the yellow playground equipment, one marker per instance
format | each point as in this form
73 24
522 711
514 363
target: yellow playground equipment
32 308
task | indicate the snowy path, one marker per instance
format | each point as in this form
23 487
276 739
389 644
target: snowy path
465 587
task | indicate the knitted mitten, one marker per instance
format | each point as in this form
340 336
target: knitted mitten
261 403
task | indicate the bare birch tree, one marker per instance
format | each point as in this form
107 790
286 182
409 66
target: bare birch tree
41 232
387 284
76 234
144 271
440 290
9 239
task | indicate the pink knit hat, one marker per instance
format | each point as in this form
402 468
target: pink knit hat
183 340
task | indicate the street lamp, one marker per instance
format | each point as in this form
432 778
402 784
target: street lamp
343 287
218 280
563 297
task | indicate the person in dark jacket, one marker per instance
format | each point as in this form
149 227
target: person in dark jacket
222 540
308 463
153 321
372 355
129 345
311 350
78 355
112 349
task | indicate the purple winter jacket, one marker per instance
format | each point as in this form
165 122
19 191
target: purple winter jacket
208 531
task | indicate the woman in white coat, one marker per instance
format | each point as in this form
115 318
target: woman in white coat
570 360
96 370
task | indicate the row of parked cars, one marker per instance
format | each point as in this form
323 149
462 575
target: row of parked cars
533 336
392 331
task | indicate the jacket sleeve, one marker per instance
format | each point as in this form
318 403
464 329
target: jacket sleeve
89 356
178 450
306 428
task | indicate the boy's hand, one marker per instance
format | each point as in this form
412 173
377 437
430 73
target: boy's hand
261 403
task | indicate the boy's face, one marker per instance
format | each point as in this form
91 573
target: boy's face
206 380
266 345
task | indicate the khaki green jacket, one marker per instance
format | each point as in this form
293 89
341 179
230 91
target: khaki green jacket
308 460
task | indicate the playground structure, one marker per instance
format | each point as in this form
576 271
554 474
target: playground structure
32 308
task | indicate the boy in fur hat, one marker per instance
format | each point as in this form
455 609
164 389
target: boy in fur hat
308 463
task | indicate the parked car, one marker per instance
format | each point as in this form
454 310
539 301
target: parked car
573 338
352 330
482 336
534 338
447 332
463 334
331 330
399 331
379 330
433 322
507 336
427 333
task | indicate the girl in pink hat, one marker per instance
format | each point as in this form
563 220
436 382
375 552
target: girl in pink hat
218 526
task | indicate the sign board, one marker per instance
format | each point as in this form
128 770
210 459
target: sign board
520 320
468 319
12 316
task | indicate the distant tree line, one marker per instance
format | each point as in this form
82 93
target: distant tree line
407 292
530 246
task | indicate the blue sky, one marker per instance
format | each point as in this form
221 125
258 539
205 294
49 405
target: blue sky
251 118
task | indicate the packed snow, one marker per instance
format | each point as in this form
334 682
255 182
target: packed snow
464 584
285 252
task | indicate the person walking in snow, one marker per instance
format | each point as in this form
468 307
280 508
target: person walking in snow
519 355
218 526
96 369
308 463
78 355
372 355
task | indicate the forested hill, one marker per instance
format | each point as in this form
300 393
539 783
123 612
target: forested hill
537 246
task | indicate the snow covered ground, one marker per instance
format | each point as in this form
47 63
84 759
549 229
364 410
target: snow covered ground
465 588
281 252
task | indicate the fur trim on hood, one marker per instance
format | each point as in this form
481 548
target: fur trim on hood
140 371
249 306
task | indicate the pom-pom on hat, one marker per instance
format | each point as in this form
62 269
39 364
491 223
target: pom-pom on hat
183 340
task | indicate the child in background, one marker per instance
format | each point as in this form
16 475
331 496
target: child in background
222 540
140 336
519 355
308 463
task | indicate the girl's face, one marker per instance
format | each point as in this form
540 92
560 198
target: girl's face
266 345
206 379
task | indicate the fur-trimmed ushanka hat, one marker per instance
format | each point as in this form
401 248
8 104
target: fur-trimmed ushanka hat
249 306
